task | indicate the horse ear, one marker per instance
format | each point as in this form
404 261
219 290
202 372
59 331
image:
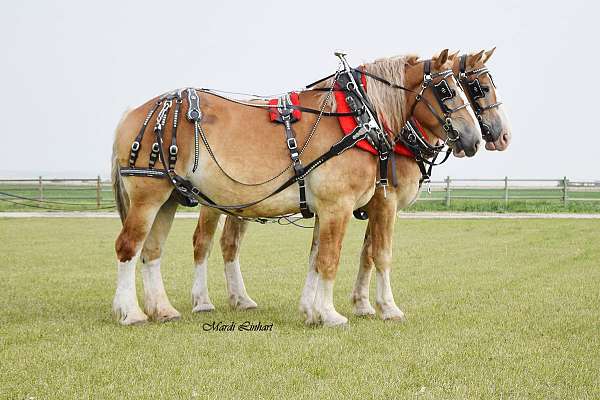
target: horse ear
453 55
476 57
488 54
412 59
441 59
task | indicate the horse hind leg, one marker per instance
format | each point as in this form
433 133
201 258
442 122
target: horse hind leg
144 205
203 240
156 302
310 285
361 306
231 240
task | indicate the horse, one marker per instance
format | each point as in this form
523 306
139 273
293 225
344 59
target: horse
473 74
239 141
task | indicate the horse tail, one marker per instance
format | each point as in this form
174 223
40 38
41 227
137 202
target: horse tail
121 197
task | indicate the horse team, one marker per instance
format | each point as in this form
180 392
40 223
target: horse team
251 148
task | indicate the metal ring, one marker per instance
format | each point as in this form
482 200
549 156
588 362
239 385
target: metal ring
173 150
350 86
155 147
135 146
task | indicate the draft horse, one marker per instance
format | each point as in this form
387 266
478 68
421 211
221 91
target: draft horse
476 79
233 170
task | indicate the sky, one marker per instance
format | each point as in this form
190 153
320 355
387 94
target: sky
71 68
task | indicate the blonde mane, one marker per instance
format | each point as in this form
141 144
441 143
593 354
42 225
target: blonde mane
388 102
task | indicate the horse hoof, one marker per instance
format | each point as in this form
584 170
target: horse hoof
246 304
338 321
242 303
363 310
203 307
332 319
168 315
392 313
132 319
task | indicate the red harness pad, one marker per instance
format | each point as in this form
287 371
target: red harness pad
349 123
274 114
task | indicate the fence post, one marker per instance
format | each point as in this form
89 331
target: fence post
98 192
40 188
506 191
447 191
565 191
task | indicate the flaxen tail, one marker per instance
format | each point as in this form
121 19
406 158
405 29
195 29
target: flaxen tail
121 197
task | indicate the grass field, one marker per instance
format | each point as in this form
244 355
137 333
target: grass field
505 309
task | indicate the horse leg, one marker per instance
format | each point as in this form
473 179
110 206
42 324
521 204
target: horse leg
332 227
156 302
382 234
310 286
361 305
203 239
231 240
142 210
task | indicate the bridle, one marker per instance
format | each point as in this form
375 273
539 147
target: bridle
442 92
476 91
411 135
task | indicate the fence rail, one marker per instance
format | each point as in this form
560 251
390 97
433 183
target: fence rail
95 193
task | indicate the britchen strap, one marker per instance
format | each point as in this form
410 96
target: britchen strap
137 143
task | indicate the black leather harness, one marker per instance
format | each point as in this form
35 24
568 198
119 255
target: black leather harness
368 128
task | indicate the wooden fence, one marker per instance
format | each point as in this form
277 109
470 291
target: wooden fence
96 192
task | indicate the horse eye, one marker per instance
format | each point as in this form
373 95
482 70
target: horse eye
485 88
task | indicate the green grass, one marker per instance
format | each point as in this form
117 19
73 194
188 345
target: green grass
496 309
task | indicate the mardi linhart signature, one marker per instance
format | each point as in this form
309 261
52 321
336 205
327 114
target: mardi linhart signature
220 326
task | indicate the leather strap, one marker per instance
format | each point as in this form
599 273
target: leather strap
286 118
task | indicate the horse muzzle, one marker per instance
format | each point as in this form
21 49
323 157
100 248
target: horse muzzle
501 143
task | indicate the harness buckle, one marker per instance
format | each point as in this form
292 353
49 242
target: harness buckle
173 149
135 146
155 147
292 144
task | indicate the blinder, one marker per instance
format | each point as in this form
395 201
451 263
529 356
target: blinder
443 91
475 90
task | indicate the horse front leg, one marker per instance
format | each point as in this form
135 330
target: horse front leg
203 239
332 227
382 233
231 241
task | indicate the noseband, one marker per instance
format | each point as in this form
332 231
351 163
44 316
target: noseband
476 91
